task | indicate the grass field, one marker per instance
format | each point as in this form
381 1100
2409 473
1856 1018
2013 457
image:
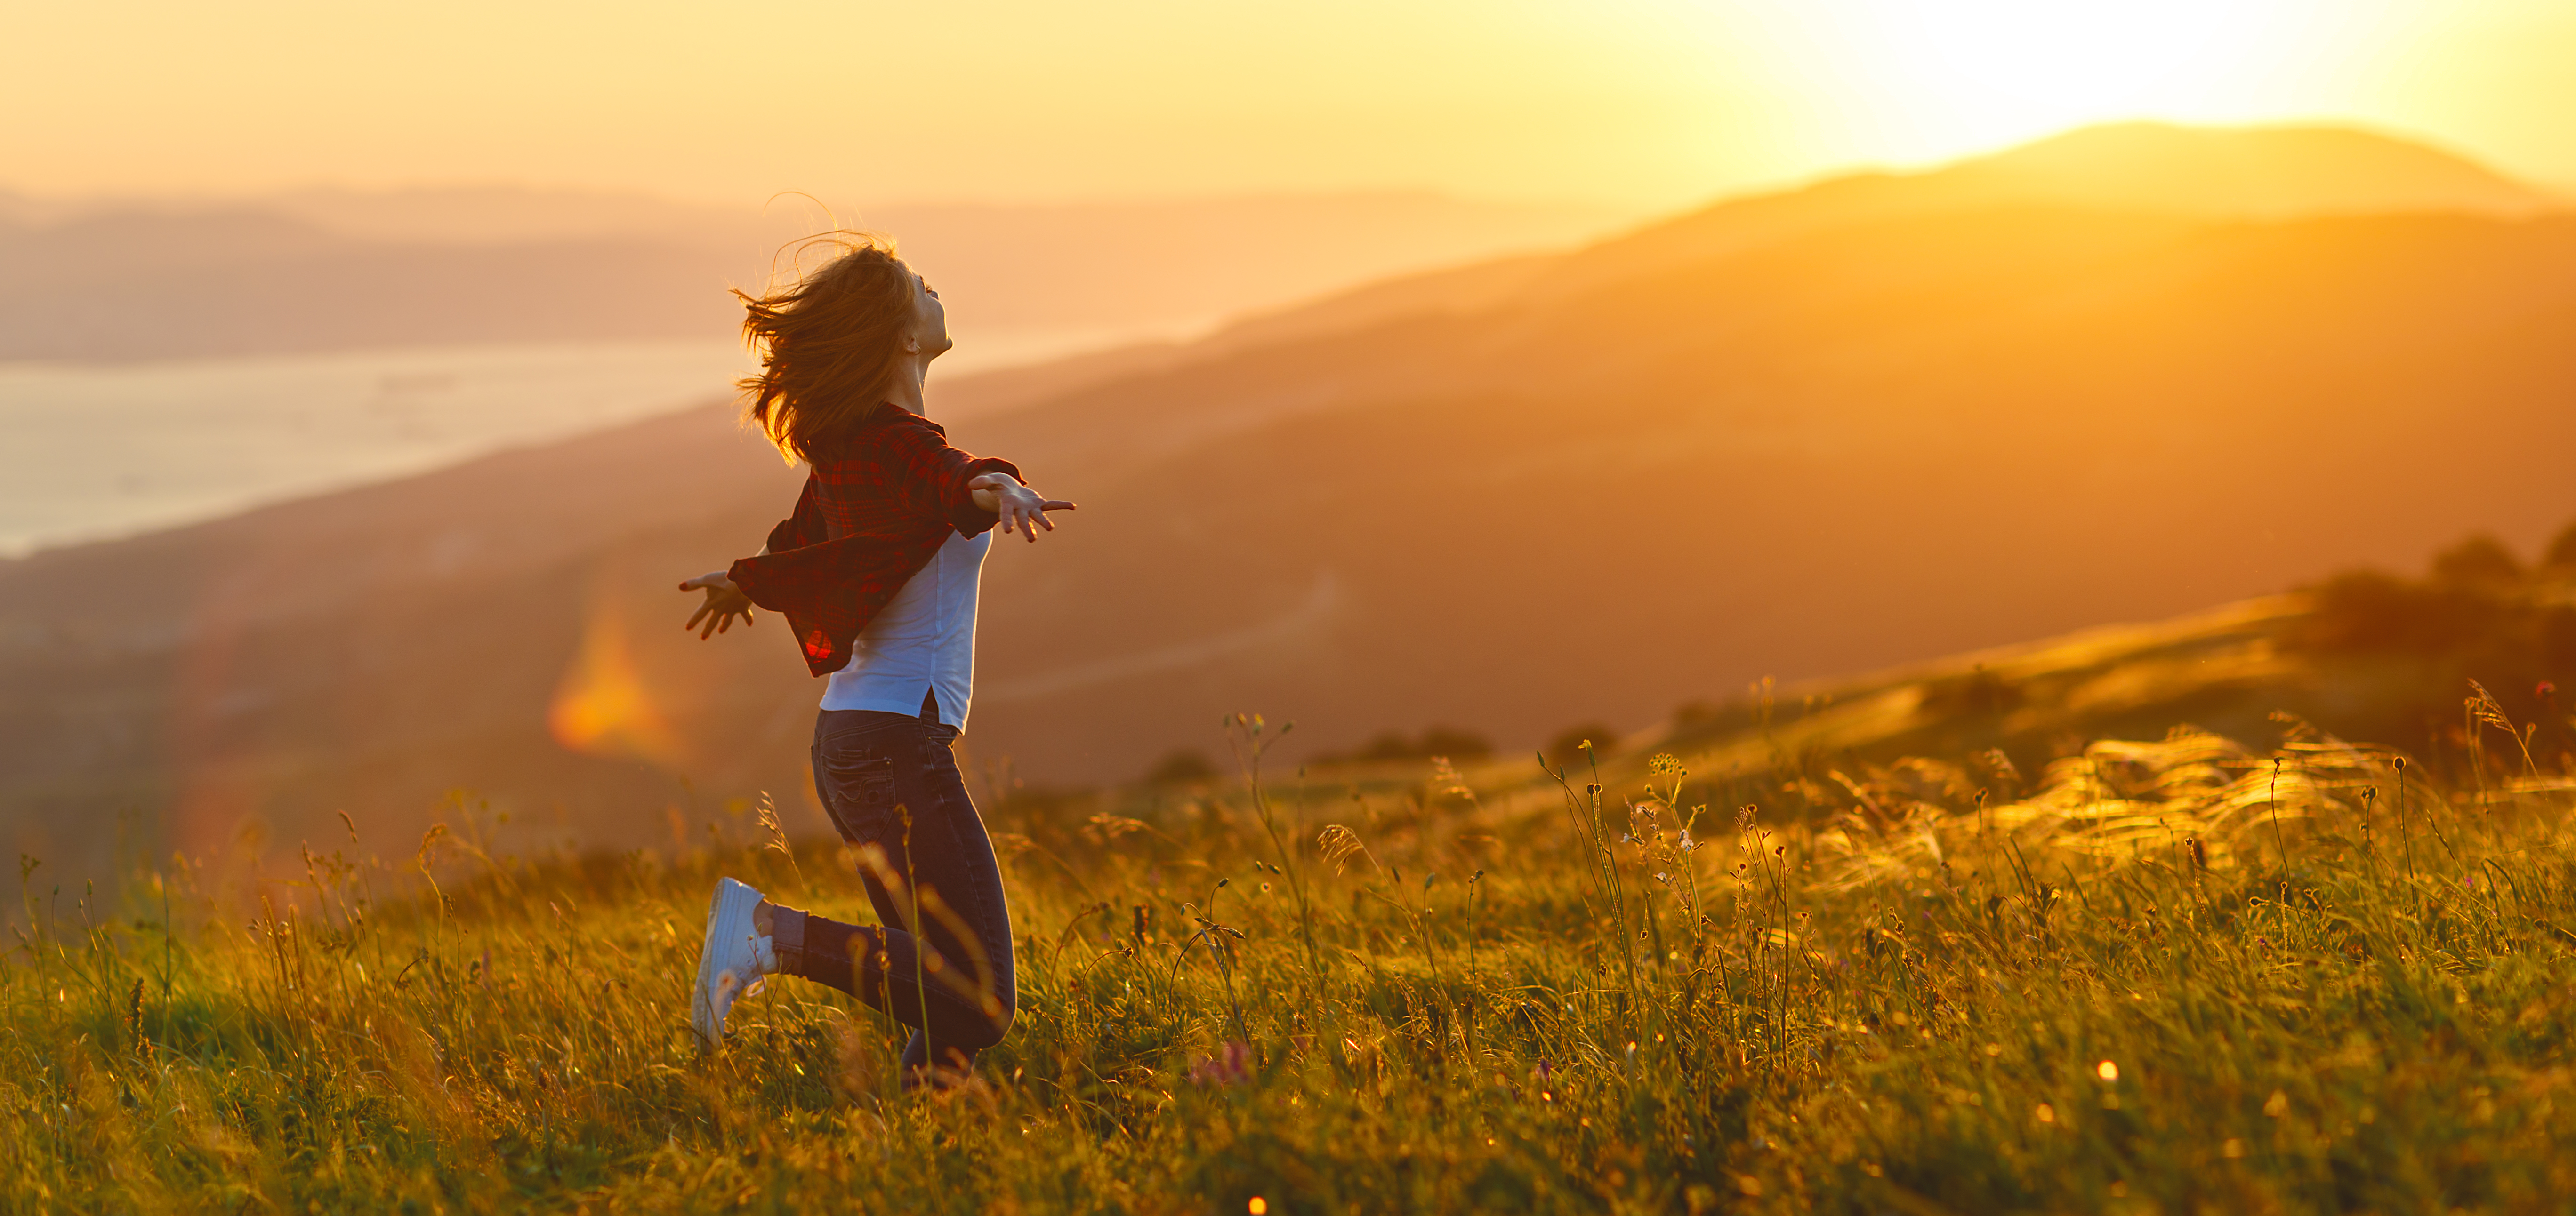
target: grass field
2174 976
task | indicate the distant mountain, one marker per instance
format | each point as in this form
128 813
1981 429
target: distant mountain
2255 173
2202 172
1506 500
1174 263
517 215
329 270
148 284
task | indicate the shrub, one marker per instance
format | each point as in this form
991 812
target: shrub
1181 767
2479 561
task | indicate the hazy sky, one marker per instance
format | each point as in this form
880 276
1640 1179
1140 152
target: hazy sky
1638 101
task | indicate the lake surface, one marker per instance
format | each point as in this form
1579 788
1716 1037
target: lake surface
89 452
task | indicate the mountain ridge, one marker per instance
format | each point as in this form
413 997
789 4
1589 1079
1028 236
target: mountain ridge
2377 173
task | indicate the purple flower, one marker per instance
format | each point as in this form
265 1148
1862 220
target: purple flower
1232 1066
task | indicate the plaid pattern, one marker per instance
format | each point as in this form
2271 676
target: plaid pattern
870 518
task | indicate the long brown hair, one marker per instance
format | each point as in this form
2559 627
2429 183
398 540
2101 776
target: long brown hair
830 344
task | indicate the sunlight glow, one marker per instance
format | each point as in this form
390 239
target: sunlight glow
1948 72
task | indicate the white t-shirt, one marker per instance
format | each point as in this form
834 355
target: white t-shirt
923 641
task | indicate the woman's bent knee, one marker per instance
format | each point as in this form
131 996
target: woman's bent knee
982 1028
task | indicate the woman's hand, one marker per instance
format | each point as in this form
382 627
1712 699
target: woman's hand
1015 504
723 601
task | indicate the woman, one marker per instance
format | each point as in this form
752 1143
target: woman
876 574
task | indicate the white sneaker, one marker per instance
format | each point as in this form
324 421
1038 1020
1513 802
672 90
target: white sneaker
733 961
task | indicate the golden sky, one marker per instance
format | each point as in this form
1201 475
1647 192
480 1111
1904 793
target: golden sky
1641 102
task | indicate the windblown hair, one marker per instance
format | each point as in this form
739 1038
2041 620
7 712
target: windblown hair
830 345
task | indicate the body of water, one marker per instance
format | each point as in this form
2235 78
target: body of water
90 452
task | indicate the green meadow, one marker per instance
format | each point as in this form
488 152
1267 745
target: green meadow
1756 966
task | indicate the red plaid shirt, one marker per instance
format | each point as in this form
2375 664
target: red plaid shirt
871 516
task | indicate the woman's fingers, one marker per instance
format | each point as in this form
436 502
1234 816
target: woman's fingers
1025 513
716 614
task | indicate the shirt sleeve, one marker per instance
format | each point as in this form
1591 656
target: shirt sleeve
802 527
932 476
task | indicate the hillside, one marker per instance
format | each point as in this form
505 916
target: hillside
2363 654
1845 446
1791 965
1859 448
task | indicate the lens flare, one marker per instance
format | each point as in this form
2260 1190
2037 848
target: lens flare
605 707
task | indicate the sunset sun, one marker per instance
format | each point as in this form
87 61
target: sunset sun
1954 72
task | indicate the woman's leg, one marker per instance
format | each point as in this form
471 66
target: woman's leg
940 961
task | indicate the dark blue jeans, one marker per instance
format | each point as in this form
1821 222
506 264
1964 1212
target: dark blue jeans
939 960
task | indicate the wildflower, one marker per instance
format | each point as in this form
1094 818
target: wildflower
1233 1066
1687 843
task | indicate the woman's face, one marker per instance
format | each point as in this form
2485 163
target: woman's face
929 338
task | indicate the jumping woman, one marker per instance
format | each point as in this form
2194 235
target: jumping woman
876 575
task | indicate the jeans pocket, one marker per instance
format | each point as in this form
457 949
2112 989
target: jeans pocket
862 798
